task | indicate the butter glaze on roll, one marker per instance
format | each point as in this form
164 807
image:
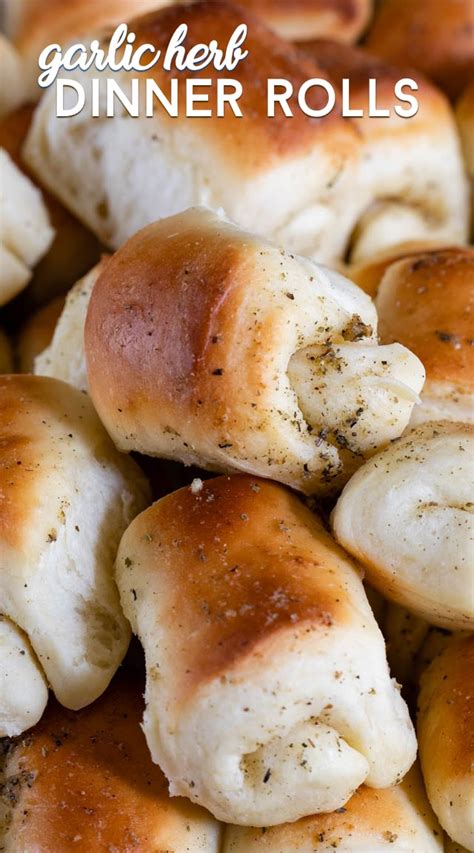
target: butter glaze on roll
398 819
426 302
206 345
445 728
84 781
268 693
66 496
406 516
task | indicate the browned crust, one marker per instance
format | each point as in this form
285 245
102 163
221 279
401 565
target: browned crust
240 562
426 302
446 714
85 779
254 141
343 20
437 38
368 274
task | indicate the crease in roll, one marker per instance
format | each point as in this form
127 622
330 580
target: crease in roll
268 694
23 689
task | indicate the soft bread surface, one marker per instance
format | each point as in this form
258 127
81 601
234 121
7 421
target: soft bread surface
446 738
25 229
435 37
406 516
465 119
411 168
427 303
268 693
63 357
85 781
398 819
23 690
36 334
66 497
208 345
303 181
290 179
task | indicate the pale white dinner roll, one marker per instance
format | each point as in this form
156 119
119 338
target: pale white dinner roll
25 229
268 694
74 249
23 690
13 88
411 169
207 345
63 358
6 353
66 496
445 728
426 302
406 516
398 819
84 781
290 179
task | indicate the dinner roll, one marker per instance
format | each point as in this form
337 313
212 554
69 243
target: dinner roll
268 694
369 273
304 182
292 180
465 118
446 738
12 90
411 169
63 358
36 333
25 228
406 516
23 690
434 37
66 496
399 820
207 345
84 781
74 249
426 302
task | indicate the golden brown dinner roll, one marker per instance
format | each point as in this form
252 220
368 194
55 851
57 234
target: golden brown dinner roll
12 90
207 345
63 357
406 516
66 497
74 249
411 168
23 690
435 37
426 302
399 820
25 228
36 333
369 273
84 781
292 180
268 693
446 738
465 117
304 182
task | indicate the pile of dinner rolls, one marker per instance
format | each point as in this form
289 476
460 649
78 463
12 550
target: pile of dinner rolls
237 445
